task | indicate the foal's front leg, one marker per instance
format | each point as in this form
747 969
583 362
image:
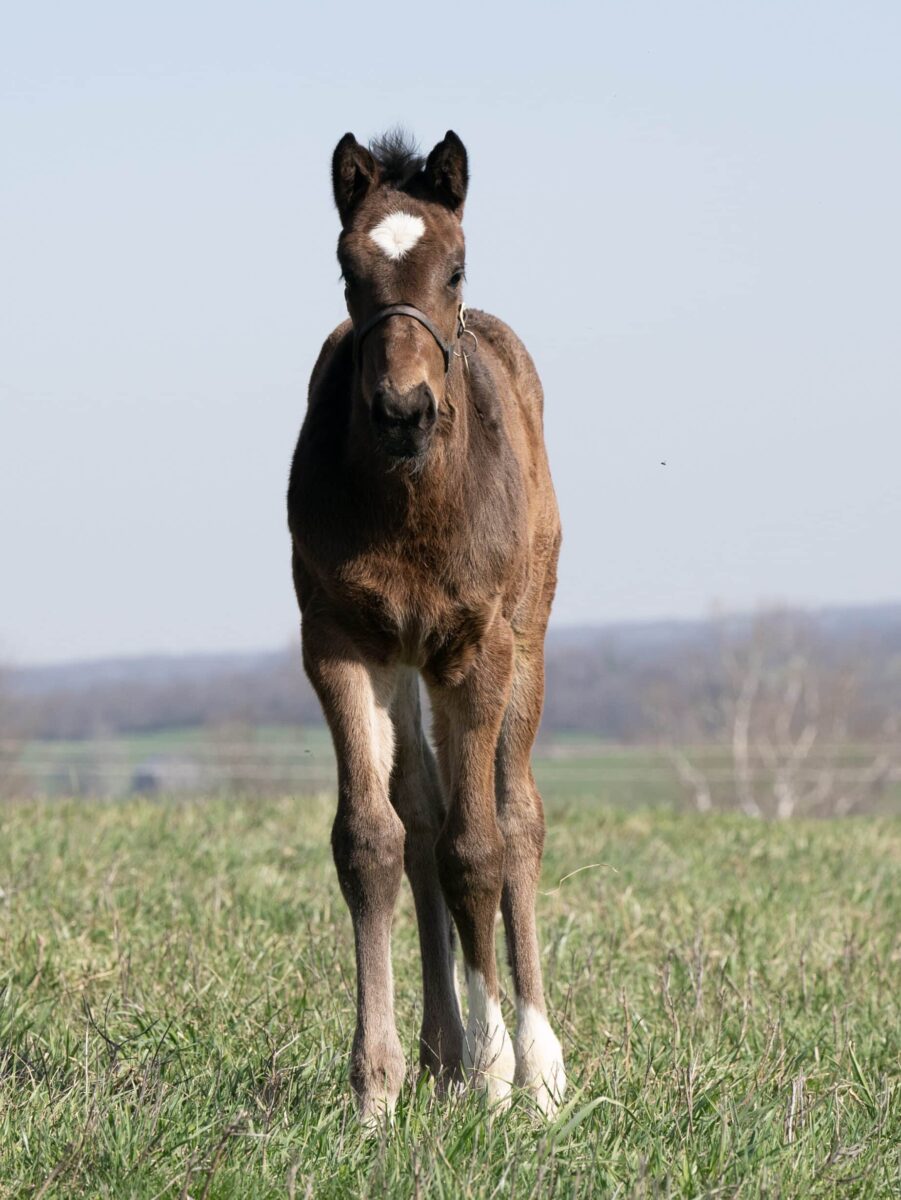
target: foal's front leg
368 847
470 847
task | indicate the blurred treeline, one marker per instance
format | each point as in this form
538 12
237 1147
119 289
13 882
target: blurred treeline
833 674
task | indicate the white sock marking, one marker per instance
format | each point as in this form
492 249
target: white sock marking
487 1049
398 233
539 1059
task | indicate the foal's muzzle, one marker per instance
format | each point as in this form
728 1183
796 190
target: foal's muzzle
404 423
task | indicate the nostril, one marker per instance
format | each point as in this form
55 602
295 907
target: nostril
415 409
428 407
385 409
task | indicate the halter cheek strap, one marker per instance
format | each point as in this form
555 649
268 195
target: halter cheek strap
407 310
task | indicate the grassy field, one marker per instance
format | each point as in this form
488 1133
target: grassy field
176 1008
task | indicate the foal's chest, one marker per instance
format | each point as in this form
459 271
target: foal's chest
413 608
417 572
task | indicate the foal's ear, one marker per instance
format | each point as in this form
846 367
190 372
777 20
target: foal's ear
354 174
447 172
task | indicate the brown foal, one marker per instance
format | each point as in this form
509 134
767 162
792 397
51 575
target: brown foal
425 538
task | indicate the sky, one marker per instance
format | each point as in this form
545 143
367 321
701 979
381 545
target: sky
688 211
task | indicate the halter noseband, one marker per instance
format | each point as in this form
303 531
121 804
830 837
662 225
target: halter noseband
408 310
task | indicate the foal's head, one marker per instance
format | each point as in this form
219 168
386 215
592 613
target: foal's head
401 243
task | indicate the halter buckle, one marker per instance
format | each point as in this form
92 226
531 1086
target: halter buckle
461 330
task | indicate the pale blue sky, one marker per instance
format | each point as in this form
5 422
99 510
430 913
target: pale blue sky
690 212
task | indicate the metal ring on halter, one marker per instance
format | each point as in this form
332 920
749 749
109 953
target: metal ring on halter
461 353
461 330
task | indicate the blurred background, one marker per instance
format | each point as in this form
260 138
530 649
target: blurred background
688 212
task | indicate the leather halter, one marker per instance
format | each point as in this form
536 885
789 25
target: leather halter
407 310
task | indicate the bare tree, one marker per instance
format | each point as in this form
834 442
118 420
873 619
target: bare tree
783 716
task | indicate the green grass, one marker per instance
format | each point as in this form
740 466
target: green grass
176 1009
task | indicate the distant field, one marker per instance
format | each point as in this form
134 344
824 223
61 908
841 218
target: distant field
280 759
176 1009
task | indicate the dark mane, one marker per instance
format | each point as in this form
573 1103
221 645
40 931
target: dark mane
397 155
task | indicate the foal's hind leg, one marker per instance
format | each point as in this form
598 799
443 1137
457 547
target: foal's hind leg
539 1059
368 845
470 849
416 794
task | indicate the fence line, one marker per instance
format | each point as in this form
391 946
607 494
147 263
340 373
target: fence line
547 751
260 772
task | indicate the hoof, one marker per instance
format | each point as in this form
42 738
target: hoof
375 1112
492 1065
441 1058
539 1060
376 1076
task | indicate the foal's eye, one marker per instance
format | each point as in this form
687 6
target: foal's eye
455 279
